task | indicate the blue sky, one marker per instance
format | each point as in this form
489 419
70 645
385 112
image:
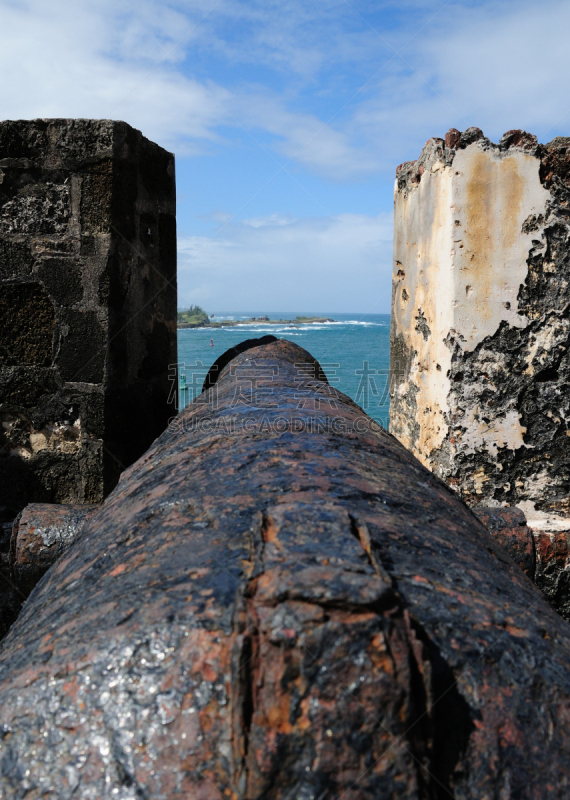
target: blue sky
288 118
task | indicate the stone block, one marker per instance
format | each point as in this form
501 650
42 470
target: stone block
88 306
480 327
508 527
41 533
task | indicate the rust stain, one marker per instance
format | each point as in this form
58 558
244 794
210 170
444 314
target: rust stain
270 530
299 679
493 202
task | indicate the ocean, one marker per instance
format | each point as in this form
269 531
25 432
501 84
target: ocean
353 351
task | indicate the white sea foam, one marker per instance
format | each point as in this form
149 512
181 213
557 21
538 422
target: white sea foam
360 322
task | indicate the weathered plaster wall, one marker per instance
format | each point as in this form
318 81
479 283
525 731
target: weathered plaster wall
87 306
480 327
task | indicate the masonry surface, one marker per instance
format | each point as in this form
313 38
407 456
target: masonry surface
480 324
88 306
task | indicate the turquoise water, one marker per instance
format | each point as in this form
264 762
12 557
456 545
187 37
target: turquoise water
354 352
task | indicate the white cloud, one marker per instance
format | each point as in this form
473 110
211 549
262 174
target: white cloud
272 220
498 66
327 264
130 61
293 37
506 67
67 59
305 139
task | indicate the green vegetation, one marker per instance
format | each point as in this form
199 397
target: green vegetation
195 315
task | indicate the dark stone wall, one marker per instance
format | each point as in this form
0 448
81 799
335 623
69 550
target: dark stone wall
87 306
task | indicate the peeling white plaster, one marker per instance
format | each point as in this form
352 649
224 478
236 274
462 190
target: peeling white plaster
505 431
543 522
459 260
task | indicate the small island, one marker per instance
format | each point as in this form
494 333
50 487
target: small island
196 317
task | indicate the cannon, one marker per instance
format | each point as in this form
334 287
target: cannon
279 602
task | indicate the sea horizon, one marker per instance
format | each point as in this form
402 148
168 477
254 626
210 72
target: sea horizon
353 351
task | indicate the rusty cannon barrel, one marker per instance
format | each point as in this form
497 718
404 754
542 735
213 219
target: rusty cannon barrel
278 602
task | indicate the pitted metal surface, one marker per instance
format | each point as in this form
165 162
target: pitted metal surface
278 601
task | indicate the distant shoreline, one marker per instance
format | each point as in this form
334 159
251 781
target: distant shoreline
230 323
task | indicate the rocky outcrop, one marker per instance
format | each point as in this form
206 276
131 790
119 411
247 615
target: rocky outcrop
279 601
87 303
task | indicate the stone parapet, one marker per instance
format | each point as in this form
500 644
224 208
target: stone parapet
41 533
508 527
480 326
88 306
